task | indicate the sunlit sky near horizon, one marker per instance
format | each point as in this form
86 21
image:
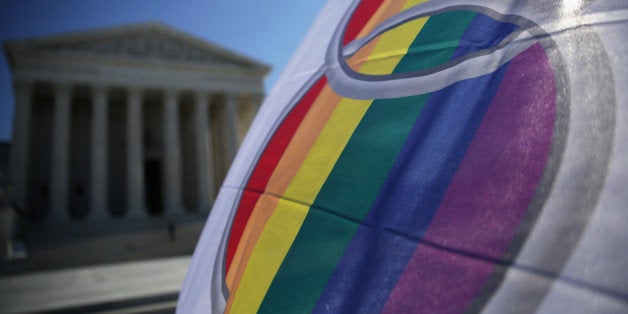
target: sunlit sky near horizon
268 31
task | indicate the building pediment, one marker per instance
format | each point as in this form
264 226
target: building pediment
147 41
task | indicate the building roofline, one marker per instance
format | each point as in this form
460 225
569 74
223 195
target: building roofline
19 45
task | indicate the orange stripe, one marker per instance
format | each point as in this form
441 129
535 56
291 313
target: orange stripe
259 216
385 11
289 164
304 138
292 159
388 9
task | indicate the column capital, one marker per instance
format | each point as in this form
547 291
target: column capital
202 94
135 89
134 92
231 96
62 87
171 92
100 89
202 100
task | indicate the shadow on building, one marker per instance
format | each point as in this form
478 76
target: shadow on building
122 137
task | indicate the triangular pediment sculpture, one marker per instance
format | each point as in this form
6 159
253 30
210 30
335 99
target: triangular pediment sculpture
145 41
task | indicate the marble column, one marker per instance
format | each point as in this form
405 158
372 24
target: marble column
98 173
258 99
60 153
204 160
172 155
21 142
247 114
134 165
230 129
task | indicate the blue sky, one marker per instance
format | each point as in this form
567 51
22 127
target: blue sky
268 31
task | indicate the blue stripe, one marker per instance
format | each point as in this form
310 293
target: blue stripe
369 269
483 32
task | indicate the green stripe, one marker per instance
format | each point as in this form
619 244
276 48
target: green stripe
437 41
348 193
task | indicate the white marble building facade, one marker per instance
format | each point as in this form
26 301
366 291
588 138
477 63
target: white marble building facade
126 122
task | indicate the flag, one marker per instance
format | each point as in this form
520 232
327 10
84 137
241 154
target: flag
432 156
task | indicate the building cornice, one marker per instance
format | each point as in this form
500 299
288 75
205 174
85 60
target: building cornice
75 43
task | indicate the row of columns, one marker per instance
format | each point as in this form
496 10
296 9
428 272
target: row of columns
58 209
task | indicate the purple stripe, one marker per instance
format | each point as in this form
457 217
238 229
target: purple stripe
488 195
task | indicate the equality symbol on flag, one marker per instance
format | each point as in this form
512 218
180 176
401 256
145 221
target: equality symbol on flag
432 162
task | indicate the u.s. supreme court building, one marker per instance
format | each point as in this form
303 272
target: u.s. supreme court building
127 121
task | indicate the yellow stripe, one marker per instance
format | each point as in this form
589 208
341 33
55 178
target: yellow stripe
274 242
328 147
411 3
285 222
390 49
393 45
288 166
287 218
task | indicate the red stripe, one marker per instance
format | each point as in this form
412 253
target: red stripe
360 17
266 165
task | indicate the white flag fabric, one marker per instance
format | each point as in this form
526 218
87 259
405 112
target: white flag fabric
432 156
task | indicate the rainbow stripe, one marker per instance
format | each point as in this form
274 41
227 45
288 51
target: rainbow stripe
434 176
